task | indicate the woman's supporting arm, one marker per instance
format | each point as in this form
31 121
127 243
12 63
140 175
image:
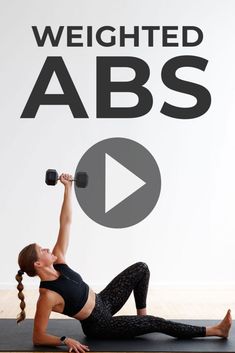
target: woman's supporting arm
40 337
47 340
72 344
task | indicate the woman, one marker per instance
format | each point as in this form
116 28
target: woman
63 290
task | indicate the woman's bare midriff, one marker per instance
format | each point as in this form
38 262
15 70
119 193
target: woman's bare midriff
59 304
88 307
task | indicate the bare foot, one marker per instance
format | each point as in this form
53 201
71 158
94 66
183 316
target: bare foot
224 326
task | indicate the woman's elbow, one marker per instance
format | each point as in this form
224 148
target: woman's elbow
37 340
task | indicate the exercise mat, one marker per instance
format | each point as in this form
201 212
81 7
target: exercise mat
15 338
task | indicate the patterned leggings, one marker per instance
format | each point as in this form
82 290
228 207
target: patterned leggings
102 324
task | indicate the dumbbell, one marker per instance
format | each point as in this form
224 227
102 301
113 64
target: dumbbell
81 178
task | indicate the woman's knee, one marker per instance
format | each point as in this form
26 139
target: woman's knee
143 266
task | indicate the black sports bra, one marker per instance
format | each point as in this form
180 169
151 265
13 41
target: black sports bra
70 286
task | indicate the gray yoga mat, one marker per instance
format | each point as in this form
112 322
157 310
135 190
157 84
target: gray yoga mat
15 338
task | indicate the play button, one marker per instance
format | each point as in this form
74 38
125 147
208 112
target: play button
124 183
119 183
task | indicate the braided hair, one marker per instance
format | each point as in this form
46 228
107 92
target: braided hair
26 259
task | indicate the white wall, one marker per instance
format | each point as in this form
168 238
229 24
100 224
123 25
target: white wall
189 236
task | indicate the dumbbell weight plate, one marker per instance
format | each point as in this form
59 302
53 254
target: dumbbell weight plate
51 177
81 179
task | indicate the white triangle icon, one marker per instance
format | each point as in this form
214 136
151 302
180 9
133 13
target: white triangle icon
120 182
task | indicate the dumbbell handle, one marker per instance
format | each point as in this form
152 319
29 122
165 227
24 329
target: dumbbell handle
69 179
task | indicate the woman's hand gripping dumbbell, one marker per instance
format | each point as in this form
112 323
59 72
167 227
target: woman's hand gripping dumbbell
81 178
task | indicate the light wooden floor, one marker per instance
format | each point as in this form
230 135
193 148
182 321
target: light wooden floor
170 303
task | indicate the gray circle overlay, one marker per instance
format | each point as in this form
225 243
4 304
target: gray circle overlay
136 206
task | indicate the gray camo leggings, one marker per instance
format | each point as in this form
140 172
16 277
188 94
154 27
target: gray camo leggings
102 324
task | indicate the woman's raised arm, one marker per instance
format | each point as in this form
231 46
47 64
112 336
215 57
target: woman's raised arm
62 242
